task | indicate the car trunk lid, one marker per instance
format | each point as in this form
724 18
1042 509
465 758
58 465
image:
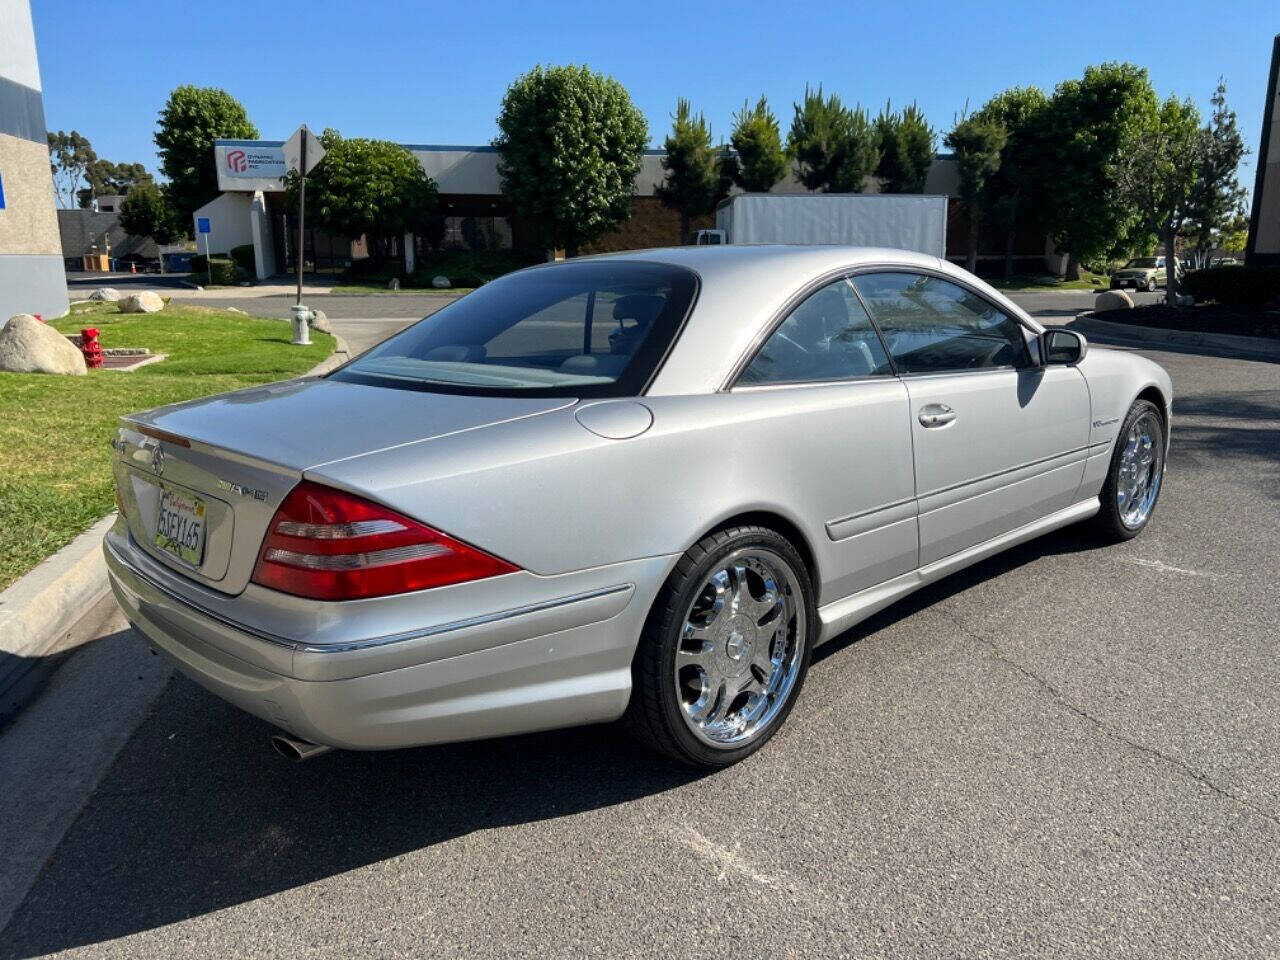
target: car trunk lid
200 481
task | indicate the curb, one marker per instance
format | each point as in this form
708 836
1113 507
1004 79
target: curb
38 611
1247 348
341 354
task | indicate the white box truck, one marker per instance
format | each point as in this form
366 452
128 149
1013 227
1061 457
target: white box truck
901 221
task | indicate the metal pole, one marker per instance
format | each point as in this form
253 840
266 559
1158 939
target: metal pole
208 264
302 208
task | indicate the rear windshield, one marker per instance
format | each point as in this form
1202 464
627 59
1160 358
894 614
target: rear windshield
582 329
1146 262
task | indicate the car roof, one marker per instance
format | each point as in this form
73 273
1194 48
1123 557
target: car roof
717 260
743 286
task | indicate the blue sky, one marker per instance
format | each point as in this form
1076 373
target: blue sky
436 72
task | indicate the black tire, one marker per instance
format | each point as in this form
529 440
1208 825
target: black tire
1151 285
655 715
1109 522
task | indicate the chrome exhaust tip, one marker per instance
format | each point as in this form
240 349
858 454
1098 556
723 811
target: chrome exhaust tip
296 749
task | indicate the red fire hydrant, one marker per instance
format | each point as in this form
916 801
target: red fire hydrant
90 347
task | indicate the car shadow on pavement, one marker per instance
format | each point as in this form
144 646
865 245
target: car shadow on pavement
198 814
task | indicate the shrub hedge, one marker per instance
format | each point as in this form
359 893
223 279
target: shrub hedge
1234 285
219 269
243 257
464 268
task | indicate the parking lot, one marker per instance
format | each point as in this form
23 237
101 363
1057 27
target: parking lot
1068 750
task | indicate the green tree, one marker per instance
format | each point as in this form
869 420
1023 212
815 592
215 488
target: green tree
1157 174
147 212
757 141
1088 125
569 146
192 118
977 143
1013 190
366 188
906 143
834 146
70 157
1217 199
105 178
1233 234
692 184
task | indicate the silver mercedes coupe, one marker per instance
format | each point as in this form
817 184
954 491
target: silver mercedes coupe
639 487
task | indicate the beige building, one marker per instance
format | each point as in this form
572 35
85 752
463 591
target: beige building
31 274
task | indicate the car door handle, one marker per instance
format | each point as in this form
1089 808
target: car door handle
936 415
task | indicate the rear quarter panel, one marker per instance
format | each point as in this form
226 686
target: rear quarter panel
552 497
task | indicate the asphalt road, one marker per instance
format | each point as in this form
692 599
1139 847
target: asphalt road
1069 750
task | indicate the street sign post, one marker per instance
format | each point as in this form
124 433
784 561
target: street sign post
302 152
203 228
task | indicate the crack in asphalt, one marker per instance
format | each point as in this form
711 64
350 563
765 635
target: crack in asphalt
1060 698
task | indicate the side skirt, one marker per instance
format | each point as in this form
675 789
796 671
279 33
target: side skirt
839 616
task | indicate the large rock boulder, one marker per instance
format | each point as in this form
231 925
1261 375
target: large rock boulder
28 346
441 282
320 322
109 294
144 302
1112 300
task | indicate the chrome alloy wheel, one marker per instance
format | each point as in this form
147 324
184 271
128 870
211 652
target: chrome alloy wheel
741 647
1140 471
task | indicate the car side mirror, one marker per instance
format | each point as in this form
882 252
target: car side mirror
1062 347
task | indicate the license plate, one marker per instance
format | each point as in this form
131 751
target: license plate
180 526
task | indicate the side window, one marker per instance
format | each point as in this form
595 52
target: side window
935 326
827 337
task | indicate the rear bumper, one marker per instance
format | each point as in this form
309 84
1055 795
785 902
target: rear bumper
556 661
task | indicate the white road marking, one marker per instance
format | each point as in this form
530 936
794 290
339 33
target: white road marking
728 861
1163 567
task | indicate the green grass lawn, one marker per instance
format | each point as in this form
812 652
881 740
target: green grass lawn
55 431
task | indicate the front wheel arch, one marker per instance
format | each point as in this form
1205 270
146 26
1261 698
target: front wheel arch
1154 395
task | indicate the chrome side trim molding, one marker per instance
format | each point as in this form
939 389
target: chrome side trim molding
301 647
875 518
1067 457
156 585
463 624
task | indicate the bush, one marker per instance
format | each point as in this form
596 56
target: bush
218 268
1234 285
467 268
243 257
464 268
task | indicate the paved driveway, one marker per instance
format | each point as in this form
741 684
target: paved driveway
1065 751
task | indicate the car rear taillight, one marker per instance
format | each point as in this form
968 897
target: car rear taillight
329 545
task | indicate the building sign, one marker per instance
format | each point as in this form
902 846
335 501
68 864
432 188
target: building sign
248 166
